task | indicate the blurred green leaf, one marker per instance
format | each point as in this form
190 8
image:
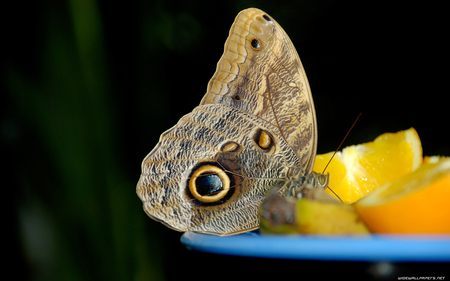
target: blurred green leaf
90 208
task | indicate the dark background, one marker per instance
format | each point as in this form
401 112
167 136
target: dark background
88 86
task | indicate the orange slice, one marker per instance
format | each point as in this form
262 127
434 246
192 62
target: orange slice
434 159
359 169
416 203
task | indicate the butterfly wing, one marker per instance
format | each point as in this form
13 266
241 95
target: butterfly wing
210 172
260 73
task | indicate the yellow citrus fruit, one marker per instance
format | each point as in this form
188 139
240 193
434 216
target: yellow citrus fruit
417 203
359 169
434 159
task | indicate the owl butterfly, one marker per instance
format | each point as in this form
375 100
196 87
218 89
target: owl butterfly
255 129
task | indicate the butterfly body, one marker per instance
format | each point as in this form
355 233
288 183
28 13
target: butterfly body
255 129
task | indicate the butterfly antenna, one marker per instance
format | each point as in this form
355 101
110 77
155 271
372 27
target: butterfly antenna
348 132
335 194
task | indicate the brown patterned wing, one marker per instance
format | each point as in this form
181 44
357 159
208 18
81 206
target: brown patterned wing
254 130
260 73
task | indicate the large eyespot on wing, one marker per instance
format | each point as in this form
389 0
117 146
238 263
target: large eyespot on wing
210 185
260 73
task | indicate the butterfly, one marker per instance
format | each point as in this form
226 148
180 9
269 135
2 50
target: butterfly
254 130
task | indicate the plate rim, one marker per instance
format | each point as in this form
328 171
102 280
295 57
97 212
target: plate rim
396 248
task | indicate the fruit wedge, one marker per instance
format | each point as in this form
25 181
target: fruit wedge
416 203
317 217
359 169
281 215
434 159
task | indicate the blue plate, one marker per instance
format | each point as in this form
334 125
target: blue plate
344 248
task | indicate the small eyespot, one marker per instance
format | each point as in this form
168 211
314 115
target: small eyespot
255 44
263 140
237 97
267 18
230 147
209 184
